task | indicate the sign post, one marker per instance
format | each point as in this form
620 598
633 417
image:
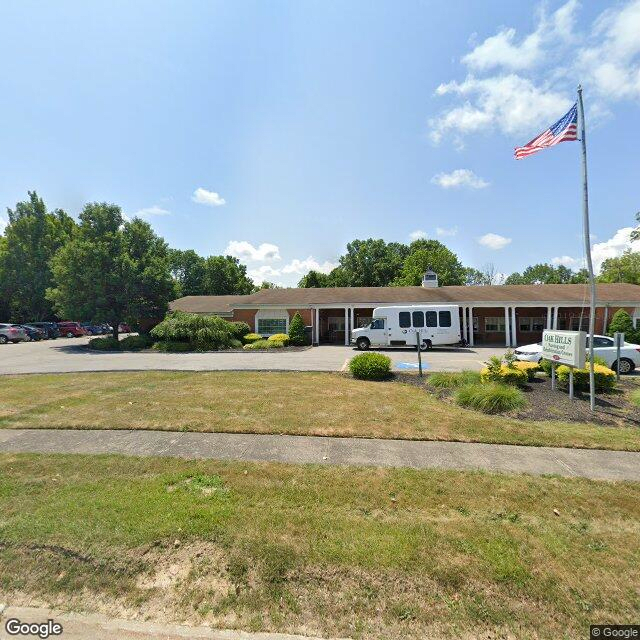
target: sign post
419 354
564 347
618 340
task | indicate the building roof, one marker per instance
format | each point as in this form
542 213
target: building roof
206 304
577 294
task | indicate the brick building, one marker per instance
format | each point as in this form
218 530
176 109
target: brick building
503 314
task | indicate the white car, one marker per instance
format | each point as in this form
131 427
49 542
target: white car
603 347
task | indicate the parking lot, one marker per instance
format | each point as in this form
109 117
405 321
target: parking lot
71 354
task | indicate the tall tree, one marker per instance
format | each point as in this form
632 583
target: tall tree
188 270
112 271
315 280
430 254
224 275
371 263
32 238
488 275
625 268
542 274
5 310
635 234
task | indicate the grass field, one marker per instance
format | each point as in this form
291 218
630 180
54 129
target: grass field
263 402
330 551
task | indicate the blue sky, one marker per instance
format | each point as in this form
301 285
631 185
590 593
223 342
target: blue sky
278 131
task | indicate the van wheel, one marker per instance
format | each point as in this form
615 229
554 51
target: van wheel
624 366
427 345
363 344
424 345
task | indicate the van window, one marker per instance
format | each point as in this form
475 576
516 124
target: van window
405 319
445 318
432 318
418 319
378 323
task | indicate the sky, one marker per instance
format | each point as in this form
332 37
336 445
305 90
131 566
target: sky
279 131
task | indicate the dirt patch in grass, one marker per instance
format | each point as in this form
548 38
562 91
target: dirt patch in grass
365 553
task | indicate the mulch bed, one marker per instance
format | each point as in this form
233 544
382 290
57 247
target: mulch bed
543 403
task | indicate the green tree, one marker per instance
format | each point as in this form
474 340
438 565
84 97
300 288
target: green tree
542 274
5 311
488 275
267 285
625 268
370 263
430 254
112 271
296 330
224 275
315 280
188 270
623 322
635 234
32 238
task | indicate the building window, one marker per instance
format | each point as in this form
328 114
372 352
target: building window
531 324
418 319
404 319
432 318
493 324
445 318
336 323
269 326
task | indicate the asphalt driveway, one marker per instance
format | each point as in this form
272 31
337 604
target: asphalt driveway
71 354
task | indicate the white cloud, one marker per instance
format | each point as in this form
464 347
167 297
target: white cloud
210 198
263 273
600 251
418 234
244 250
459 178
3 225
494 241
148 212
444 233
310 264
521 84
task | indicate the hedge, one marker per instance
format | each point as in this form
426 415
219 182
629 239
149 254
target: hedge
505 374
605 378
370 366
530 368
104 344
200 333
251 337
279 337
239 329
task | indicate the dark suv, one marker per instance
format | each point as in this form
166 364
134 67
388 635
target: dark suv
50 327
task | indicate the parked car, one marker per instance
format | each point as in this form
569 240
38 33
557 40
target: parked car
50 327
34 334
71 329
12 333
603 347
92 329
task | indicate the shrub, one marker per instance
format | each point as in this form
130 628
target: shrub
104 344
275 344
622 321
199 332
605 378
235 344
279 337
173 346
490 397
251 337
136 343
545 365
453 380
257 344
297 335
239 329
370 366
505 374
530 368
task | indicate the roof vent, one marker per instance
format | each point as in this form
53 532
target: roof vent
430 279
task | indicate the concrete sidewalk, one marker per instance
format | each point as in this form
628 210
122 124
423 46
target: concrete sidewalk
587 463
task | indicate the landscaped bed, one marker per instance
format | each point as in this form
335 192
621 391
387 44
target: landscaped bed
296 403
336 552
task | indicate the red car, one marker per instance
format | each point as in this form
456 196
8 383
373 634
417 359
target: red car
71 329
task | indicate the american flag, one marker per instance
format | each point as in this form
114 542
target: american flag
565 129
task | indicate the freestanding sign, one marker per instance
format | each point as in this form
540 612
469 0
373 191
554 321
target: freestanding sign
565 347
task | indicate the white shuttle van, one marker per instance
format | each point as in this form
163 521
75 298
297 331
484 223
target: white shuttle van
437 324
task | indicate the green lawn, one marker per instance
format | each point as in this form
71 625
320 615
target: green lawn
263 402
320 550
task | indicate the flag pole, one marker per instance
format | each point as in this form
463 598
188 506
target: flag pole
587 249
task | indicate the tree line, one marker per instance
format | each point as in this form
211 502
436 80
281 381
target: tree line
106 268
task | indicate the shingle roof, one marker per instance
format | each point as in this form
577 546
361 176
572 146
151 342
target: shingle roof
547 293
